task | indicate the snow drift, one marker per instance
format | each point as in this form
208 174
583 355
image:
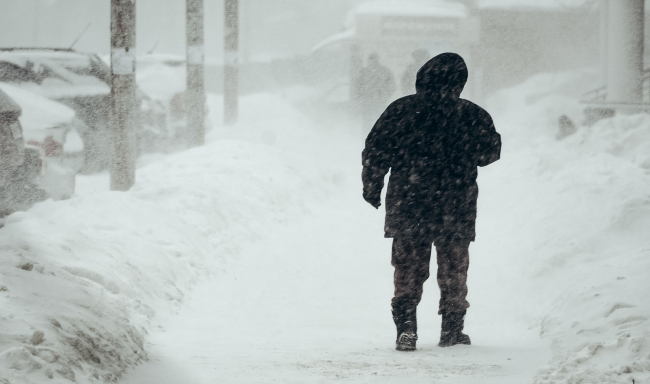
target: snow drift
575 233
82 281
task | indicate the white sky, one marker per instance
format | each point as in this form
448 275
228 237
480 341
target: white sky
268 28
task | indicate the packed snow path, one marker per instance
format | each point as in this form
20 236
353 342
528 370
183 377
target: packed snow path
310 302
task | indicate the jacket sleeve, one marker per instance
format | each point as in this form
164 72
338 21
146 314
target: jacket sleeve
488 145
377 157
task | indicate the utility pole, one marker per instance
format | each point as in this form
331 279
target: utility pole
604 40
195 96
244 31
124 106
231 59
625 51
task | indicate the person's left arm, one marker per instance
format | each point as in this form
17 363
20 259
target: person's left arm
376 159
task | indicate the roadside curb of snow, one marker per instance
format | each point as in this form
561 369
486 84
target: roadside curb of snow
582 219
599 322
84 280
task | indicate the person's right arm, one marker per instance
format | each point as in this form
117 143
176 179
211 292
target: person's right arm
488 143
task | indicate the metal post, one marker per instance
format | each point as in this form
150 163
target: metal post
195 96
245 31
124 106
625 51
231 70
604 40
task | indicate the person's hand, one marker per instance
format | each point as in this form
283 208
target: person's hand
374 201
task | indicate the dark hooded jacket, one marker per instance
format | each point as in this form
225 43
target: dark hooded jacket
432 142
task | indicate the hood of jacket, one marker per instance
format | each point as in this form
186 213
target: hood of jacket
443 76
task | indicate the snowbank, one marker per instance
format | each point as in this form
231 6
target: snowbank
574 240
87 275
550 4
82 281
413 8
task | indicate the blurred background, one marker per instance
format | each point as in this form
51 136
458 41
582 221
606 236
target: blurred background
284 42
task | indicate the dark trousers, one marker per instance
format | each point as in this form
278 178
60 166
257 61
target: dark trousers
411 258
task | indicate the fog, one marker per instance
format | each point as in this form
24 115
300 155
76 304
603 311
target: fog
266 246
269 29
515 38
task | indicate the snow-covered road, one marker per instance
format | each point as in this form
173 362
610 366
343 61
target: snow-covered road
310 302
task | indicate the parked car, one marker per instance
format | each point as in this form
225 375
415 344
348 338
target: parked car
36 159
163 78
81 81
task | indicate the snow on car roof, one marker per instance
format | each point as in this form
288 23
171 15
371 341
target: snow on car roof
444 8
20 56
67 72
38 112
438 8
165 58
7 104
530 3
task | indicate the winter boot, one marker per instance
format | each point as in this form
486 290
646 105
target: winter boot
406 341
452 327
404 315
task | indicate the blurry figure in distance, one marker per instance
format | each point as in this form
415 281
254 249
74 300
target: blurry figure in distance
432 143
420 56
374 87
566 127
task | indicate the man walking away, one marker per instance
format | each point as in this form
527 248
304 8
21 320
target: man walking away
374 86
432 142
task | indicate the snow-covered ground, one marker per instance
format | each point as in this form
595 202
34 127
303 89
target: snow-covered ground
83 281
311 304
575 218
254 259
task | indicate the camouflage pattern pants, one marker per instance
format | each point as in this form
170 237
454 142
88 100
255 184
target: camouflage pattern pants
411 258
